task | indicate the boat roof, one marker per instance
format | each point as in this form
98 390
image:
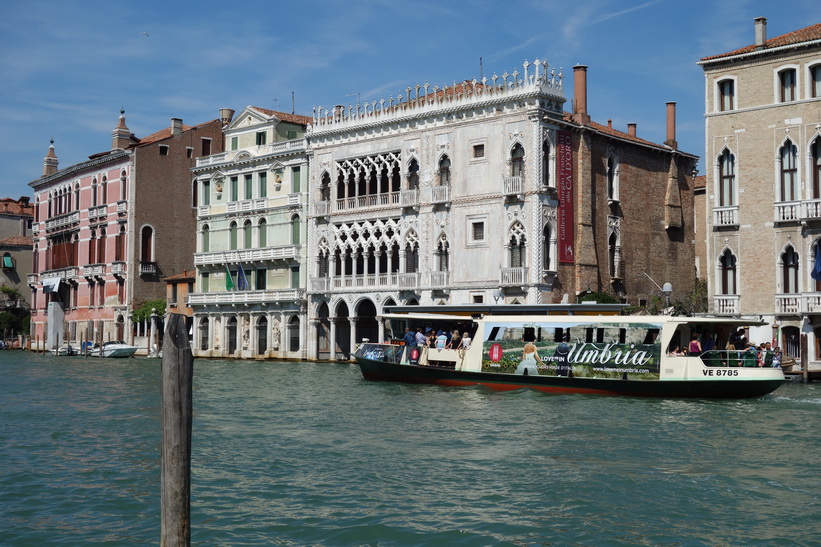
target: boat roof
479 310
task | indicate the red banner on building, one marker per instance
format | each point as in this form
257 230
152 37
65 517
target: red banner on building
564 160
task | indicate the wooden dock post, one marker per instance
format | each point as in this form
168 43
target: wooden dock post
177 376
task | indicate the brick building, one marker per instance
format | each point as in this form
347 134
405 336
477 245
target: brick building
107 231
763 185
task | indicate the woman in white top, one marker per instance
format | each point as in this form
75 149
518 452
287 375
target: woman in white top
465 342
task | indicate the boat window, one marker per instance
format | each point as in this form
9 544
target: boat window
529 334
588 335
558 334
494 333
652 334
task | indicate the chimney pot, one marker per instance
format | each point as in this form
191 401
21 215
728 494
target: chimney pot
671 126
226 115
760 31
631 129
580 114
176 126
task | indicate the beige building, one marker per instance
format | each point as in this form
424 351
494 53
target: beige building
762 197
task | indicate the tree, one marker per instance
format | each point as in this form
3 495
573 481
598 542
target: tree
144 312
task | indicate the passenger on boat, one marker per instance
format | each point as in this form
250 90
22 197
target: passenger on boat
421 339
695 346
676 352
409 338
465 341
455 339
441 340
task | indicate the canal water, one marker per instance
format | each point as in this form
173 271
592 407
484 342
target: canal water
311 454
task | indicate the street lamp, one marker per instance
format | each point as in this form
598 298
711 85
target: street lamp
497 294
667 289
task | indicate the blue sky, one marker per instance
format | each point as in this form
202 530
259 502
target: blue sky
66 68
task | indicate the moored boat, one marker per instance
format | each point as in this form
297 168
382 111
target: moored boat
604 355
113 349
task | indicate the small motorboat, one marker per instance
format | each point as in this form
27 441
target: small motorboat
66 350
113 349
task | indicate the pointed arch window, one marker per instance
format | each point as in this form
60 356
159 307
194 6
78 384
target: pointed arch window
147 244
789 270
545 163
517 161
296 227
517 245
815 165
412 253
92 248
443 254
94 193
547 245
206 238
325 187
789 171
613 256
444 171
101 246
612 178
413 175
727 264
726 169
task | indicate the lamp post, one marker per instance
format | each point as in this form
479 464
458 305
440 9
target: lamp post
667 289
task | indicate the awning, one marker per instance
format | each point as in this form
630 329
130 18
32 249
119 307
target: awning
51 284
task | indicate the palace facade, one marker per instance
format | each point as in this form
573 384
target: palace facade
482 192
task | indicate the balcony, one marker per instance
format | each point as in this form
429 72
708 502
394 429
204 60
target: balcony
372 200
246 297
97 212
726 304
811 209
247 205
409 198
32 279
787 211
514 186
148 268
322 208
294 200
282 252
788 304
725 216
66 274
122 207
320 284
439 280
440 194
62 221
35 228
513 277
93 270
392 281
118 269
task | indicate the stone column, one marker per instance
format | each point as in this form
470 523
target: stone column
352 320
381 322
332 337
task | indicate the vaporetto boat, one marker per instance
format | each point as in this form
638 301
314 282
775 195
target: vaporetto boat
603 355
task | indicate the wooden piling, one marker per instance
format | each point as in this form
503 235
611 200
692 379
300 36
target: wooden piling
177 377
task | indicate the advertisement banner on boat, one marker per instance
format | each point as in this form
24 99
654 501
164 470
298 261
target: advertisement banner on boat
579 349
564 159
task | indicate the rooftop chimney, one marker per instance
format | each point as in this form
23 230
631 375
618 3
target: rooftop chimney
50 161
580 114
226 115
671 126
176 126
631 129
121 136
760 31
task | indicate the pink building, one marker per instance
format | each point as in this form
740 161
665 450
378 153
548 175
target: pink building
106 235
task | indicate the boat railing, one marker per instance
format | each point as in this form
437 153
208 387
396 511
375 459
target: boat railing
738 358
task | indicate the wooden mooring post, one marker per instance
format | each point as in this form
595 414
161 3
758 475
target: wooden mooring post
177 376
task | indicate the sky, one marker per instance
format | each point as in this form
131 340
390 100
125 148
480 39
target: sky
68 67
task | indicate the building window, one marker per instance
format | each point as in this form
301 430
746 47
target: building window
325 187
101 247
206 193
477 231
443 254
173 294
517 243
262 237
93 195
262 181
815 165
262 138
206 147
296 183
147 247
295 230
789 268
478 150
249 187
789 171
247 235
92 248
260 280
815 81
206 239
290 135
123 188
545 164
234 143
547 245
727 264
232 236
413 175
726 95
612 178
517 161
119 245
726 169
444 171
189 152
163 150
786 81
234 188
205 281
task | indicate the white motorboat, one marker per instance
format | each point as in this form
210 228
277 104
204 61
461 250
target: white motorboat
114 349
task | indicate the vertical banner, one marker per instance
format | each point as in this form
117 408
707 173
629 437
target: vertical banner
564 159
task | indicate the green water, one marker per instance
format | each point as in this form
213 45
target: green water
311 454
